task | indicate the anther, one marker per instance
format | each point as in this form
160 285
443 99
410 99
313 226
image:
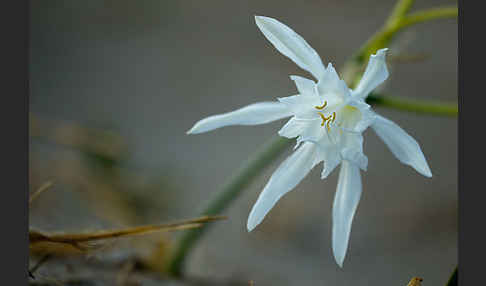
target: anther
324 118
322 107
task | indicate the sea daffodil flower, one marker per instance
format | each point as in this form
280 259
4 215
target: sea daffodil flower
328 120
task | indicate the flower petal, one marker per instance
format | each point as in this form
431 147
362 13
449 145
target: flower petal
328 152
330 85
346 201
376 72
292 45
302 105
253 114
293 128
304 86
367 115
283 180
331 160
305 129
353 149
402 145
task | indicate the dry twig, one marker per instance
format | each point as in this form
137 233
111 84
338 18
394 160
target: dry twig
41 189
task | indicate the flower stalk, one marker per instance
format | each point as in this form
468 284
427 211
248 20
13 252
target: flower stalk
398 21
438 108
428 15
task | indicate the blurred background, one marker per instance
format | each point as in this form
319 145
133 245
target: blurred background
115 85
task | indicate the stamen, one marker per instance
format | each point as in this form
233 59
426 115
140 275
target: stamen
324 118
322 107
329 119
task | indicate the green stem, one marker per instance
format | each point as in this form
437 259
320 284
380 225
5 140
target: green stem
229 191
414 105
427 15
394 25
453 279
399 11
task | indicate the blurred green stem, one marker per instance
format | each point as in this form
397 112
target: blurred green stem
229 192
414 105
428 15
398 21
401 9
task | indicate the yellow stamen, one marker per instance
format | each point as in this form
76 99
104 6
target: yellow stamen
322 107
324 118
330 119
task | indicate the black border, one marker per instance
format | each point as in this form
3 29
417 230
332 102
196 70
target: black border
460 145
460 136
15 28
471 183
14 212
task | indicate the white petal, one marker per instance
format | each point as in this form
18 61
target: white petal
402 145
376 72
305 129
353 149
357 157
367 115
283 180
304 85
331 85
293 128
331 74
253 114
302 105
292 45
345 203
331 161
329 153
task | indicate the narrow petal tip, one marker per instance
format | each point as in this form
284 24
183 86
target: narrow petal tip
381 51
426 169
262 21
427 172
249 228
251 223
339 258
259 19
193 130
381 54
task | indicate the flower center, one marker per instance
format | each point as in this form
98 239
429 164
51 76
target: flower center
326 120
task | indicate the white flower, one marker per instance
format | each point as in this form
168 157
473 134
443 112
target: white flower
328 119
